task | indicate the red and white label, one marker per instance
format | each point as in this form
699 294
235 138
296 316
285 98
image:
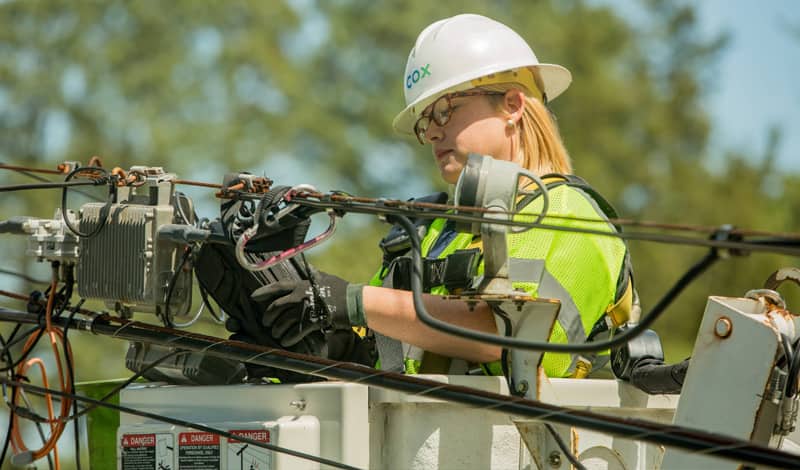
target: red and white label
198 439
259 435
138 440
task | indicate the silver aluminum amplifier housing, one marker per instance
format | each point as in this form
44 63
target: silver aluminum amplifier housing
125 264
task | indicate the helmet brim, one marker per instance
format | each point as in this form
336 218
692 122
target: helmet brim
555 79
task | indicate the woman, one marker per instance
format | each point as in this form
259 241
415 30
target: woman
473 85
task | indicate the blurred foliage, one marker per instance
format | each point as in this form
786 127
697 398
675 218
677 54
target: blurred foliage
305 91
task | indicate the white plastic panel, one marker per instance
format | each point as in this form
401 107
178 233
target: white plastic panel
326 419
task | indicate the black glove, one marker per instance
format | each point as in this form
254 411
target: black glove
295 309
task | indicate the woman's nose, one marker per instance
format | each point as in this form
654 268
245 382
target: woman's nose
434 133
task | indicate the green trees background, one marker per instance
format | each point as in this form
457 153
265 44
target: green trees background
304 91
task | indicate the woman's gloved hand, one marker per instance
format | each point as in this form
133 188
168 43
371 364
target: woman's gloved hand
295 309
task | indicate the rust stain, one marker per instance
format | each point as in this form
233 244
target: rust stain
574 446
723 327
787 315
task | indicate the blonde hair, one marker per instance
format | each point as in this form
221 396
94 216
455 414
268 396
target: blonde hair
540 142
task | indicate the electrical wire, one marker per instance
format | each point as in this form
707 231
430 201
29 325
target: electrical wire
88 409
219 319
788 350
15 443
179 198
789 245
5 348
29 172
764 245
348 203
193 320
564 447
56 336
129 381
179 422
167 318
27 298
687 439
22 276
782 243
38 331
51 185
71 372
518 343
793 371
103 215
6 353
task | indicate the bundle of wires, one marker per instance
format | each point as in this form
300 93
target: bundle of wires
23 368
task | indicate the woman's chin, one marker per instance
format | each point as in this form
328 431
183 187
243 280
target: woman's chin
450 173
450 177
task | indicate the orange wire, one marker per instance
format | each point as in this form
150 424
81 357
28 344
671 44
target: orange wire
16 441
57 425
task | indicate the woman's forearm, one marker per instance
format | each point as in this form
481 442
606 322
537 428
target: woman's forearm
391 312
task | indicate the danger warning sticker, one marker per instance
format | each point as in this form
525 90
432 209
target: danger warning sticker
244 456
139 440
151 451
260 435
198 451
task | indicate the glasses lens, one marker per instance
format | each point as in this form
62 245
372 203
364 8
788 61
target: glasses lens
420 127
440 112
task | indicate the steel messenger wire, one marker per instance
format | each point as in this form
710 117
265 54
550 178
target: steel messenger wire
31 173
345 203
779 243
57 185
446 209
657 433
45 391
776 245
349 203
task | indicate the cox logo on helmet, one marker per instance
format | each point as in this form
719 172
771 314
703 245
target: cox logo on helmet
417 75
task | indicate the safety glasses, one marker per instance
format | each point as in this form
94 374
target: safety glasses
442 109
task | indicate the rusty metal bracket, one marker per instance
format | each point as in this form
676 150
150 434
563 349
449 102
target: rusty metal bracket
782 275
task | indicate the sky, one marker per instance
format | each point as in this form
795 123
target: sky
756 86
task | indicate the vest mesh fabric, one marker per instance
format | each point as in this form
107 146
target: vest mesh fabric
585 265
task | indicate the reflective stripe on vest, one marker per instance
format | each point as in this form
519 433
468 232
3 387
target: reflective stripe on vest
585 293
595 290
533 271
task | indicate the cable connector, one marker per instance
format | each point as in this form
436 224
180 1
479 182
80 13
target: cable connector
726 233
21 459
36 302
27 413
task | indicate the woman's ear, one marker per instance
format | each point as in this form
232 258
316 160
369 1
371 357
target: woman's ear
514 104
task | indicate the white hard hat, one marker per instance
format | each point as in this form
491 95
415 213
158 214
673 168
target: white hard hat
466 51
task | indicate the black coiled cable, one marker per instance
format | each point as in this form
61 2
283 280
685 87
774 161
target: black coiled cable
518 343
105 179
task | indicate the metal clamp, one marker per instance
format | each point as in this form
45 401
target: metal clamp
767 295
780 276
